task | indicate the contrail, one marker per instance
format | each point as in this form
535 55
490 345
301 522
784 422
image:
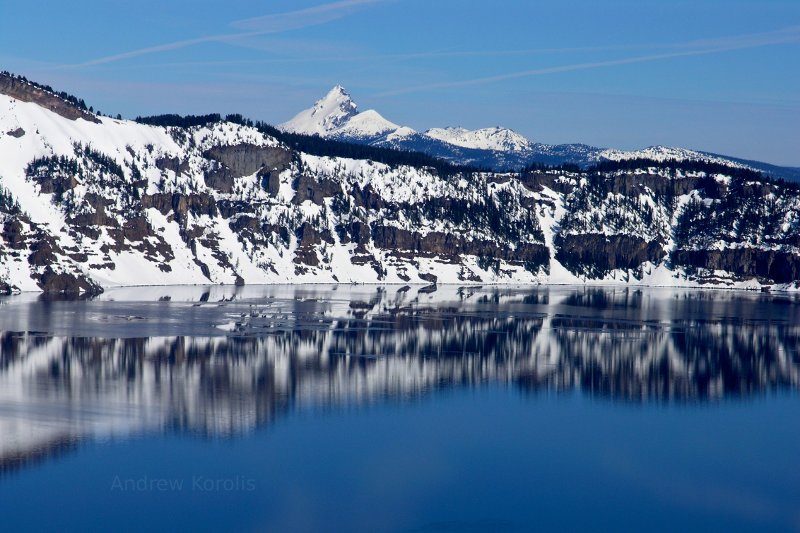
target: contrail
301 18
264 25
163 48
742 42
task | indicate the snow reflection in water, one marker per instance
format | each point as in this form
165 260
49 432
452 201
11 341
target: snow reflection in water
221 361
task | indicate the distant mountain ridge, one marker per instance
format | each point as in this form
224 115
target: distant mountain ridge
336 116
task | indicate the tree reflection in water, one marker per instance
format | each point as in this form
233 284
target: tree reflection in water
245 359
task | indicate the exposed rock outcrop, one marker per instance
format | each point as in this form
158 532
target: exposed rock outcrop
27 92
451 247
241 160
595 255
768 266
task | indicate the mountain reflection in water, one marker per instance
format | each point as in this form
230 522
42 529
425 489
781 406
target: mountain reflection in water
222 361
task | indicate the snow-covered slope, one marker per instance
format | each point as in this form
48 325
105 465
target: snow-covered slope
88 202
662 153
497 138
111 202
367 124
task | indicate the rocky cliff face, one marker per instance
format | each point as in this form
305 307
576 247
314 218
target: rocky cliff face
26 91
90 202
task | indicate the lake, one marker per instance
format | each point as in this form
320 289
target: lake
386 408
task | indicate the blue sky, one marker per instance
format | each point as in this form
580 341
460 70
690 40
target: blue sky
716 75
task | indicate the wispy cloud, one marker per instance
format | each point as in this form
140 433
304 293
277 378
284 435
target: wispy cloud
302 18
251 27
159 48
299 52
788 34
685 49
302 51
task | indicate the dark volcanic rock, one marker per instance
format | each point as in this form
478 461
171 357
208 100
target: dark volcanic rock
311 189
535 180
43 253
55 184
450 246
181 204
744 263
12 234
597 254
172 163
367 197
27 92
98 217
430 278
52 282
271 183
247 159
220 179
6 289
244 160
307 238
628 184
357 232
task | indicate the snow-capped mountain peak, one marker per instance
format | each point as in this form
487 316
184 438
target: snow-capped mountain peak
326 115
663 153
496 138
656 153
336 115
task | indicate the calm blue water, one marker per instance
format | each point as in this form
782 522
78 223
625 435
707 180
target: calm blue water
364 409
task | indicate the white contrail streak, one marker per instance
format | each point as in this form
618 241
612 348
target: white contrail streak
742 42
267 24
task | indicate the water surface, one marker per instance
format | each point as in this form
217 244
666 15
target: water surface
400 409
